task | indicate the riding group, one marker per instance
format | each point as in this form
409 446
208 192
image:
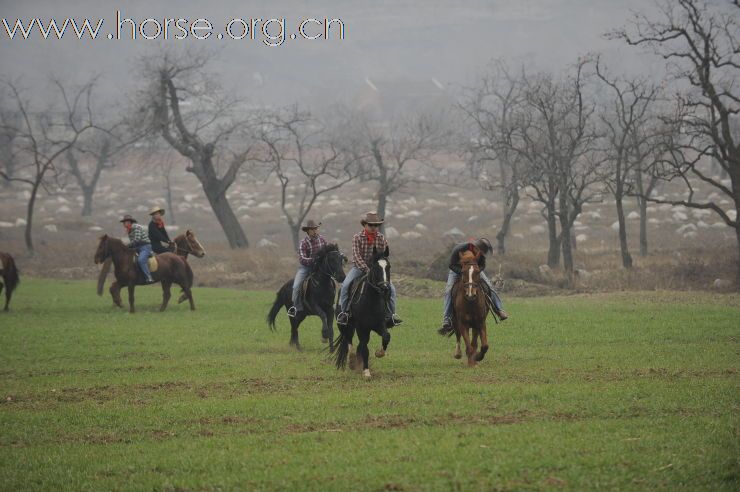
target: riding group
367 298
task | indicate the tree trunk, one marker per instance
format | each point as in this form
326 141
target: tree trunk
643 227
29 216
87 200
295 235
626 257
382 200
168 195
510 204
737 260
553 253
226 217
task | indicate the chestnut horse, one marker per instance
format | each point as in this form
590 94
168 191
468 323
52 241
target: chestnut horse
171 269
471 309
185 244
9 276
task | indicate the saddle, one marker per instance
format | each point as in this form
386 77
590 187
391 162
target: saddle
357 288
151 262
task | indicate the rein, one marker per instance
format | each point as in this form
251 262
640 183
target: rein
321 269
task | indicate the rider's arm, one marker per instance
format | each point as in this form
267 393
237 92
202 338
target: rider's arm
303 257
455 260
357 253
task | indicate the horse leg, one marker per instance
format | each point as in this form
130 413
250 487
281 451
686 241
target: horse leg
115 293
7 296
474 341
386 339
166 294
330 326
483 342
294 324
326 334
458 352
131 298
364 338
469 351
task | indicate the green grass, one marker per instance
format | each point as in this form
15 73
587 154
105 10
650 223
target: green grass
628 391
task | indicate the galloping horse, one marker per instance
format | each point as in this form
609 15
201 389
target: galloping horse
471 310
368 301
319 301
171 269
9 275
185 244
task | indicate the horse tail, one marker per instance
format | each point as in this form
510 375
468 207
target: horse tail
340 351
280 301
11 275
103 274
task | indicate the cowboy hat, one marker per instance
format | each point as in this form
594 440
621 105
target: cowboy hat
311 224
154 210
371 218
127 218
483 244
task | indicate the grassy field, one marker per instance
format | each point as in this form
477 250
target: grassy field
625 391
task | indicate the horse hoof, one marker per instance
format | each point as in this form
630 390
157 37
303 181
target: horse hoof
324 340
366 374
457 355
380 353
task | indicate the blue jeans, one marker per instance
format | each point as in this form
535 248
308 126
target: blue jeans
452 278
145 252
344 292
300 276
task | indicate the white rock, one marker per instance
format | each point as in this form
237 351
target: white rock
544 270
680 216
97 228
701 224
472 218
537 229
391 232
411 235
20 222
721 283
5 225
265 243
421 227
264 205
653 220
719 225
454 232
615 226
581 237
65 209
414 213
686 228
633 215
50 227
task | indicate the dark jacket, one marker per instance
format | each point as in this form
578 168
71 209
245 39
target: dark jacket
455 258
158 236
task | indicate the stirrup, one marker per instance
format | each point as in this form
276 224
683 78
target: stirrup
292 311
342 318
446 323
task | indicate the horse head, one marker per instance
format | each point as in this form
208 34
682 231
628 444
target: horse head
193 246
103 251
470 274
331 261
379 274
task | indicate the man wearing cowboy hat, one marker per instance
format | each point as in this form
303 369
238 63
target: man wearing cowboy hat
306 251
139 240
362 252
161 242
483 246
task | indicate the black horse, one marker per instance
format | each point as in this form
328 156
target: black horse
368 307
320 293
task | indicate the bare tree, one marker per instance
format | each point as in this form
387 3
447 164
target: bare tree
43 137
10 122
493 108
626 118
96 152
305 160
701 43
557 138
205 125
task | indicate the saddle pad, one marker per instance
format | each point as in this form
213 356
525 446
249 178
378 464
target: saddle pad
152 262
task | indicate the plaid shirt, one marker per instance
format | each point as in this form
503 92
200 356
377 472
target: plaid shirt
362 251
308 248
138 235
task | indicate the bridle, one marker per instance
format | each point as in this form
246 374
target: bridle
322 264
187 251
469 283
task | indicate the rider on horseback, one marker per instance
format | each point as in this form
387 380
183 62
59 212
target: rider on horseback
483 246
362 252
310 244
161 242
139 240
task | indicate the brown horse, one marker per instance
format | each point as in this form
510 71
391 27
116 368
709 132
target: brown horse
471 310
185 244
171 269
9 275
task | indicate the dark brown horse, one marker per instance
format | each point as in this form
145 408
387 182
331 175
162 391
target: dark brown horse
185 244
471 309
9 276
171 269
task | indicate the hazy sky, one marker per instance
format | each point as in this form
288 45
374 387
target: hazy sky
384 40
